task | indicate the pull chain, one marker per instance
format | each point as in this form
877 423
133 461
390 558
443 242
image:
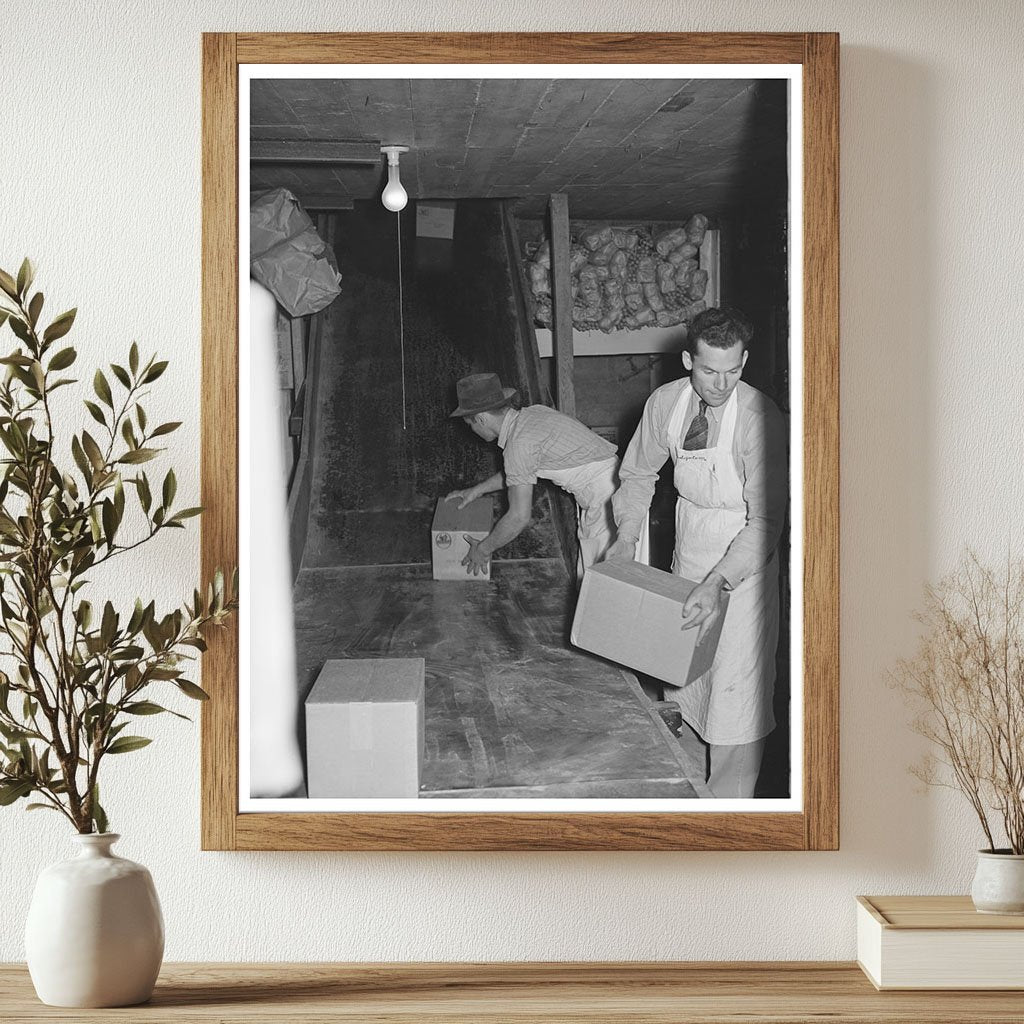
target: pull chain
401 315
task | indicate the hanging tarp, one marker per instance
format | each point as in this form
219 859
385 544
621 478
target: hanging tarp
288 257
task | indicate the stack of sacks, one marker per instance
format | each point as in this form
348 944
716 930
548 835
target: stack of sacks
623 279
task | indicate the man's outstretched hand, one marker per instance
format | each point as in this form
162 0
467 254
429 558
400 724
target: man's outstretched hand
463 497
476 562
704 602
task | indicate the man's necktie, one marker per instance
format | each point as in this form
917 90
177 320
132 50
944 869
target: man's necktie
697 435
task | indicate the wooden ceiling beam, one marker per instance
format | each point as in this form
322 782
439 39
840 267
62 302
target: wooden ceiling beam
313 151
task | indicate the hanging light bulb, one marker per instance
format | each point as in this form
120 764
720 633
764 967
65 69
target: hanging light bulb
394 197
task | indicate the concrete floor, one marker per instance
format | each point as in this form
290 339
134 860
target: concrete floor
511 708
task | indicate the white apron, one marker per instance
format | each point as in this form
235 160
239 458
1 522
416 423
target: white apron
732 702
592 485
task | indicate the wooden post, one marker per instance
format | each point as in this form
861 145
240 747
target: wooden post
711 261
561 297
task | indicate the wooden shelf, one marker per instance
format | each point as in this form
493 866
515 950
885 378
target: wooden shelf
658 993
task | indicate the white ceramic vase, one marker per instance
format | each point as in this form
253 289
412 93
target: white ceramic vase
998 886
95 933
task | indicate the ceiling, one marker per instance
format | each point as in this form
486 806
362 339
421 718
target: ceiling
621 148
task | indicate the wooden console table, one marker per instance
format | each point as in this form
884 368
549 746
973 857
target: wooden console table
657 993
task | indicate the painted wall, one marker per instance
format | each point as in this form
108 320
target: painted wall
99 181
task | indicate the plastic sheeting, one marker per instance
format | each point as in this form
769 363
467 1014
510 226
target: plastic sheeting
288 257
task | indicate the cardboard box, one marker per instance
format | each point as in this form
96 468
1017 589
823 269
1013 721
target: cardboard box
448 533
632 614
364 729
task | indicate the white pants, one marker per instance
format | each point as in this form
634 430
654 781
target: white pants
592 485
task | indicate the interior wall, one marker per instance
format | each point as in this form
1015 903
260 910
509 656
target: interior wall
103 189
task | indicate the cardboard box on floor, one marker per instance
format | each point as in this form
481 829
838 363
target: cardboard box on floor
631 614
448 534
364 728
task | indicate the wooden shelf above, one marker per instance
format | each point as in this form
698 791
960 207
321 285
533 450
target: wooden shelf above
658 993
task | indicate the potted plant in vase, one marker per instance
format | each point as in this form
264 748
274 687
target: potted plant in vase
79 671
967 679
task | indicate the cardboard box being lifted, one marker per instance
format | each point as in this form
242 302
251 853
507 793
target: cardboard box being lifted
632 614
364 728
448 534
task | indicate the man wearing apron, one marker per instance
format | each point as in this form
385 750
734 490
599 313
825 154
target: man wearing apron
727 441
543 443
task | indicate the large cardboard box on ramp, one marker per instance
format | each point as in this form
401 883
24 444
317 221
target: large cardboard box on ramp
448 534
364 728
632 614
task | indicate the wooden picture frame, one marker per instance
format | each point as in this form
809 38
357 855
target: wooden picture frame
816 826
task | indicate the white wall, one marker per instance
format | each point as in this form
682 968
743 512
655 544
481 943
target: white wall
99 182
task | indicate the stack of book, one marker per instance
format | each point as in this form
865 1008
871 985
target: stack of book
938 942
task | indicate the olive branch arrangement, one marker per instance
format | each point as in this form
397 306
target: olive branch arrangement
967 679
78 673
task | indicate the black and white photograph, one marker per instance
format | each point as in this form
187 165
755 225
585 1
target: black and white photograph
520 437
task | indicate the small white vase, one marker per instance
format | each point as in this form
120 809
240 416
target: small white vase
999 882
95 933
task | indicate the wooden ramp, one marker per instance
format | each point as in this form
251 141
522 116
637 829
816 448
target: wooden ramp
512 709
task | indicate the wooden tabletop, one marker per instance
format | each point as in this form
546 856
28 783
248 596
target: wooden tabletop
659 993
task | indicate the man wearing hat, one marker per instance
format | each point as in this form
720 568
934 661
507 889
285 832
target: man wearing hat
537 443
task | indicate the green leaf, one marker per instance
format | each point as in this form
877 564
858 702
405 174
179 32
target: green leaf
145 497
125 744
4 314
99 816
63 359
154 372
128 433
108 627
109 518
20 328
80 459
102 388
140 415
166 428
185 513
26 273
133 358
96 412
119 499
42 807
34 308
121 374
11 791
191 690
139 455
60 326
8 284
144 707
92 449
170 488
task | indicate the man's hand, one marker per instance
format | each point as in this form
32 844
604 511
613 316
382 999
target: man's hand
704 602
463 497
623 550
476 561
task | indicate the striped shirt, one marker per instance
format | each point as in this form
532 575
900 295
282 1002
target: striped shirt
536 440
758 449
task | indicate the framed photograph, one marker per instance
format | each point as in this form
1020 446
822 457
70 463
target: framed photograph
520 421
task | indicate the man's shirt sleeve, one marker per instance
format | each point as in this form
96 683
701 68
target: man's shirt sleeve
765 492
521 463
640 466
